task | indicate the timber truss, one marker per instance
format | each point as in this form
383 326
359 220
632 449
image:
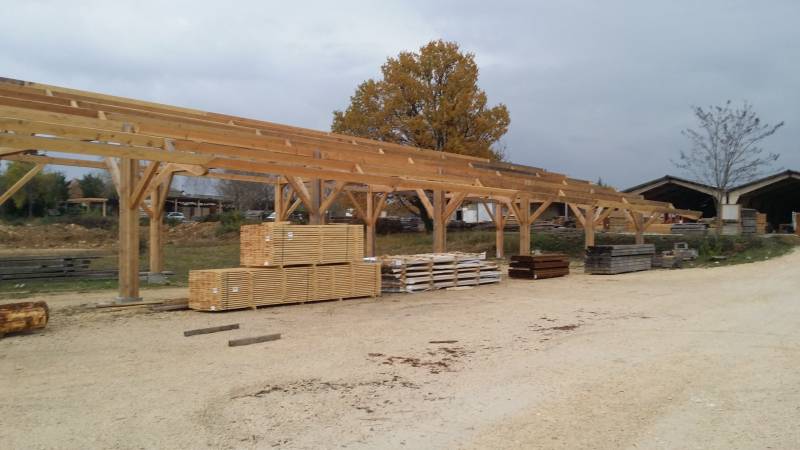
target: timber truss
144 145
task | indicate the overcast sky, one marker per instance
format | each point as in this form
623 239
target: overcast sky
594 88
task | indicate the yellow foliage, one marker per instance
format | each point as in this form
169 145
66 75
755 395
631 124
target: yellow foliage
428 99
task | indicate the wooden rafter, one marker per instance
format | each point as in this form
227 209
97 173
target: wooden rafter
20 183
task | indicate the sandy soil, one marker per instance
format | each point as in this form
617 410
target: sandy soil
700 358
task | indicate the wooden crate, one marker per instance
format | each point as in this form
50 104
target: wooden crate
281 244
250 287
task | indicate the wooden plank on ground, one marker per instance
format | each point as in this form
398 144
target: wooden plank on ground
254 340
209 330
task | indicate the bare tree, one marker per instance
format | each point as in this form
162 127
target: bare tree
245 195
725 148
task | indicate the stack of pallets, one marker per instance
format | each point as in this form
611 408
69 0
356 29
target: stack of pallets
538 267
425 272
285 263
614 259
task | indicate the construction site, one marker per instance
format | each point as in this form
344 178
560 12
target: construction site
578 316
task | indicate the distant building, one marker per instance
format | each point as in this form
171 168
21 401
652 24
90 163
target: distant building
777 196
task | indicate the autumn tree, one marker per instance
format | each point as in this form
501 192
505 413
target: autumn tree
427 99
725 148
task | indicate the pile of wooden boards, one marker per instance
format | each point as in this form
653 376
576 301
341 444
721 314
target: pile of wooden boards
615 259
748 221
538 267
284 263
31 267
761 223
250 287
689 229
425 272
281 244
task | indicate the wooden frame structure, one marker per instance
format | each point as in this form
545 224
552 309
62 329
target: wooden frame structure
144 144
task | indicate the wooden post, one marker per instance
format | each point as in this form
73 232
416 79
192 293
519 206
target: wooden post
588 226
156 250
524 226
128 233
104 208
278 201
499 226
439 224
638 225
158 200
370 222
315 216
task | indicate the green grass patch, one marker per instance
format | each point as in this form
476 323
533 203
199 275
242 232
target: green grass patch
180 259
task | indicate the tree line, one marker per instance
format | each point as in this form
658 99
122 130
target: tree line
46 192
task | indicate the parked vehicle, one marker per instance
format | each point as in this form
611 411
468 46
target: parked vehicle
178 216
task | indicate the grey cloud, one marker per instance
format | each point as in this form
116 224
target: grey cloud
594 88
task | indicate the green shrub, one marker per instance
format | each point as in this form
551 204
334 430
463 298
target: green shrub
229 222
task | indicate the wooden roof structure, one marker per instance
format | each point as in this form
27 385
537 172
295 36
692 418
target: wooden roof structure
144 144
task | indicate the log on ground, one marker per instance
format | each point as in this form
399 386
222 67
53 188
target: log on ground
25 316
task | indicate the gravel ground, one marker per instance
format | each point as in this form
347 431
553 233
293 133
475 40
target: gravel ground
695 358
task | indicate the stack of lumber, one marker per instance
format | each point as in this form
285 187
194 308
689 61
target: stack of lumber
748 221
281 243
284 263
660 228
797 223
689 229
761 223
614 259
424 272
538 267
31 267
246 287
618 223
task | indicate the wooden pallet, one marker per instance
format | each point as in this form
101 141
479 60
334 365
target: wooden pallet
280 244
249 287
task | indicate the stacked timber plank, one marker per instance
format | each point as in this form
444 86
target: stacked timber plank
748 221
285 263
31 267
615 259
249 287
689 229
761 223
281 243
538 267
430 271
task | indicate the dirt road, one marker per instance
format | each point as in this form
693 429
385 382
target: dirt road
700 358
